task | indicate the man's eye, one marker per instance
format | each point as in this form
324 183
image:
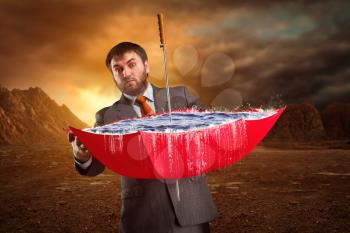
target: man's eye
119 70
132 65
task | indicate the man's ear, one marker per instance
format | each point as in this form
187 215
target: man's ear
146 67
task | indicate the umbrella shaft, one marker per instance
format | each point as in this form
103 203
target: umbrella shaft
166 79
169 104
177 190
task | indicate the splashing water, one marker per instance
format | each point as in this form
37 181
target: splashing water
181 122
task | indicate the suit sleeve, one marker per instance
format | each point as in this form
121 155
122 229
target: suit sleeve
96 167
193 101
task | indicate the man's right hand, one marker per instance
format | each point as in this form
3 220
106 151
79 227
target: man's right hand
80 152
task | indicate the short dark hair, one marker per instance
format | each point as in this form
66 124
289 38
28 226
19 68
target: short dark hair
124 47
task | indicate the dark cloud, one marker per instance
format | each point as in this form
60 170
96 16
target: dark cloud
295 64
303 76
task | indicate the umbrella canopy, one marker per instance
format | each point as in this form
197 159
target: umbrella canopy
170 154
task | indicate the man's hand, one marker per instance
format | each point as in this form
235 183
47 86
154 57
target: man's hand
79 150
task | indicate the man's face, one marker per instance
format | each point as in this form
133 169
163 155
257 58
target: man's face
130 73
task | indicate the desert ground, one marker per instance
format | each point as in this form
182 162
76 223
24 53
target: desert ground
304 188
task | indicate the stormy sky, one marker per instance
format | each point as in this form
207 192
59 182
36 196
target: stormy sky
227 52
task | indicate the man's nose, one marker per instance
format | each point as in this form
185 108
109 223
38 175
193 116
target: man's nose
126 72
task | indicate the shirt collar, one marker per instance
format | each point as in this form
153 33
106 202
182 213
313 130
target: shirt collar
148 94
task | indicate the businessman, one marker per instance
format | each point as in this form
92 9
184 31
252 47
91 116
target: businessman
148 205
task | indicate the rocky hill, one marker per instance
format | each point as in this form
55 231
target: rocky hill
299 123
31 116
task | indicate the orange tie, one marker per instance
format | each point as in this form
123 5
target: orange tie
145 108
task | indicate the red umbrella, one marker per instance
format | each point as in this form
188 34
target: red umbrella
173 155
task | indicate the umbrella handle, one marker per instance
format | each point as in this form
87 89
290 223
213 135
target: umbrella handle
161 28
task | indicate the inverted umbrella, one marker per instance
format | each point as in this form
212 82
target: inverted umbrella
173 154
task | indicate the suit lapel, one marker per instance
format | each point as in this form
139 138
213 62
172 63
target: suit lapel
120 110
160 101
125 108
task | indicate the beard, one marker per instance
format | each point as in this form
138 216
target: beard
133 86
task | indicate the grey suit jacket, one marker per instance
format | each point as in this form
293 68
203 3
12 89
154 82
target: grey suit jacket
151 205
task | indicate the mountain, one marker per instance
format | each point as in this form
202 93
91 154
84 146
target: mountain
31 116
298 123
336 120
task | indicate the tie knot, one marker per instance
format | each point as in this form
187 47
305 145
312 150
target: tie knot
146 110
140 99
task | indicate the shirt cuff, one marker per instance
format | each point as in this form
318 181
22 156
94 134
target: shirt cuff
84 165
